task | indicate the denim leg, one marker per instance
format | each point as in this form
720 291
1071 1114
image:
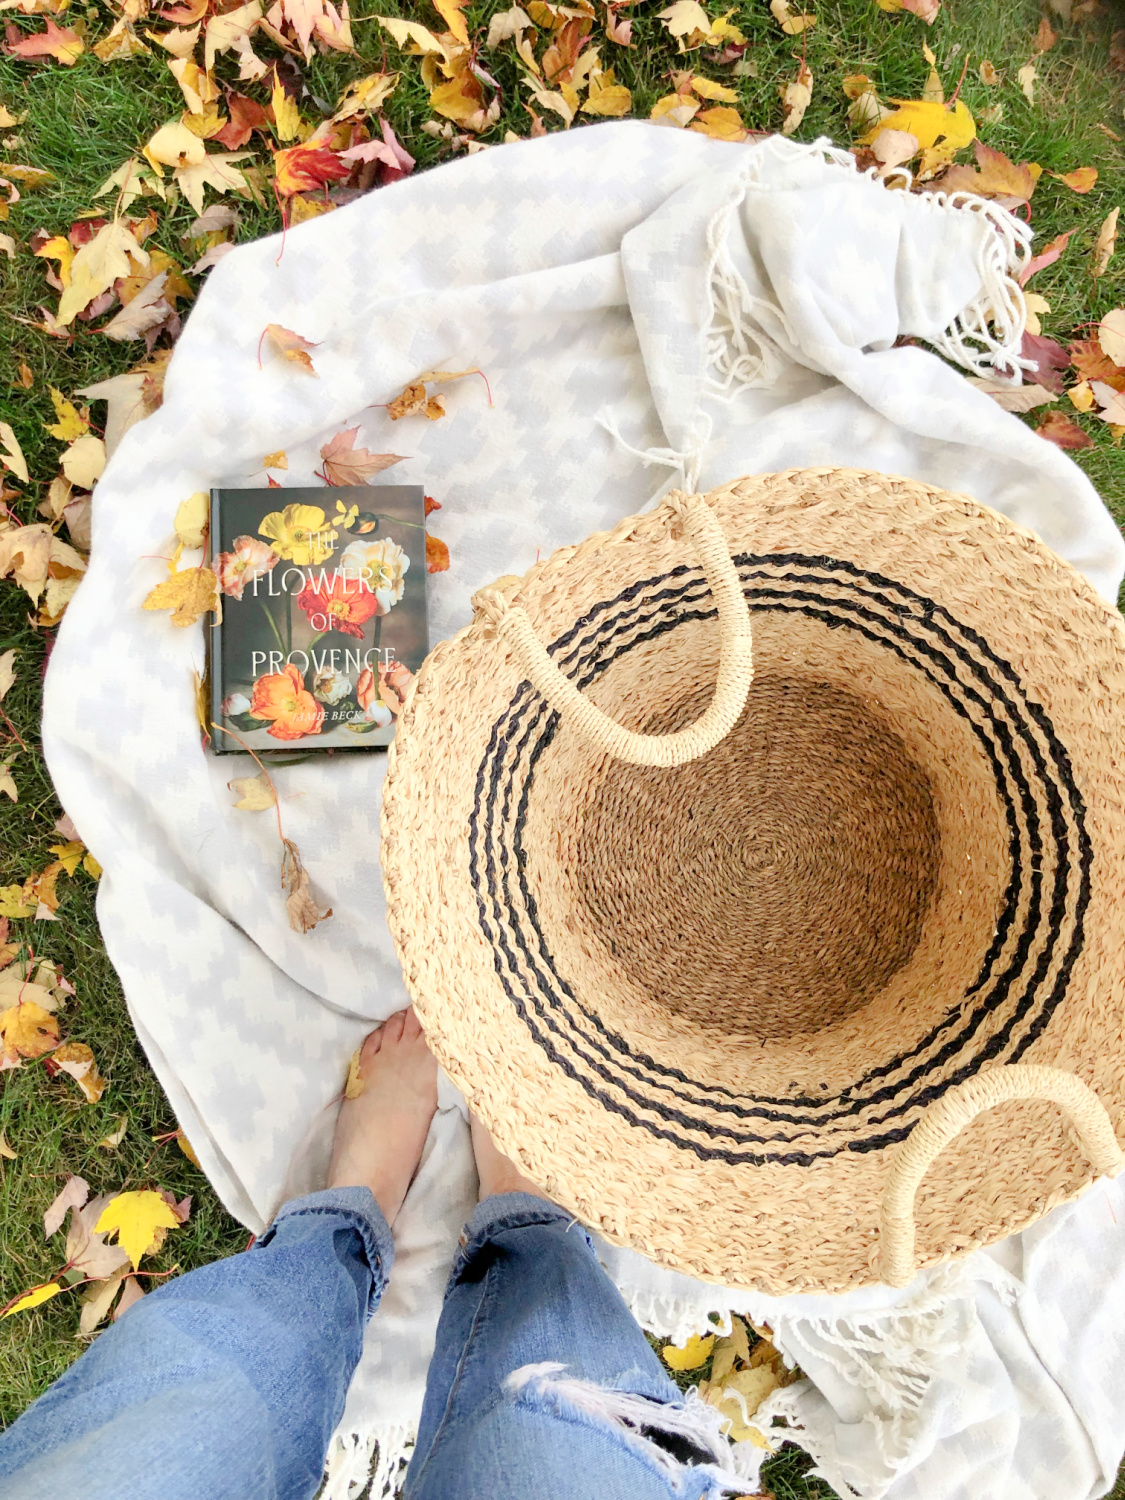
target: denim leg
224 1384
537 1361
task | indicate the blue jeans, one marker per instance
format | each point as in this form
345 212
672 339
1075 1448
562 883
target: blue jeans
227 1383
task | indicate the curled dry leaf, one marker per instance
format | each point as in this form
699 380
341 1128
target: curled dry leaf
255 793
988 74
796 97
1106 243
1018 398
96 1301
1081 180
188 593
437 555
75 1191
1111 337
345 464
1026 79
7 672
1063 432
35 1298
299 904
77 1059
11 454
111 1141
291 346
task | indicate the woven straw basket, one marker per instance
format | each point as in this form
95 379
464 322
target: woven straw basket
758 872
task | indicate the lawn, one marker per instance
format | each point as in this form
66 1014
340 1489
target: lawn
80 122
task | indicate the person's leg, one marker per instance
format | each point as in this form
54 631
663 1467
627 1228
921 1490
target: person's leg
542 1383
226 1383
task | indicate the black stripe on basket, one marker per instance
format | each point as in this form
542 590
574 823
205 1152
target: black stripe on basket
528 723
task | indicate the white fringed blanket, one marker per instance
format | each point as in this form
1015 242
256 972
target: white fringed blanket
638 296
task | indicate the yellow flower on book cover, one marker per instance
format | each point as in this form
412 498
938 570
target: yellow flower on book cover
300 534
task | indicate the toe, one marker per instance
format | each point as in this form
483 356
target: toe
371 1045
394 1026
412 1027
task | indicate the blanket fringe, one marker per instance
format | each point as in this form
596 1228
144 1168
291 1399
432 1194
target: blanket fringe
369 1463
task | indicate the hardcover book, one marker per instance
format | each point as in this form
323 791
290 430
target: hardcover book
324 615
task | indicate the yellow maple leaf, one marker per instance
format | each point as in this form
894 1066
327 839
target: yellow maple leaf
606 97
69 423
255 794
69 854
188 593
691 1355
12 903
136 1217
721 123
286 115
58 248
739 1397
707 88
27 1030
34 1298
91 866
276 460
928 122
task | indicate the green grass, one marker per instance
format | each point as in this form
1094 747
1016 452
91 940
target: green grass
82 123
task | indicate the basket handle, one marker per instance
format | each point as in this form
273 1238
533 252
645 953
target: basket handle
694 517
952 1112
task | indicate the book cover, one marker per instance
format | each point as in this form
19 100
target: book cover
324 615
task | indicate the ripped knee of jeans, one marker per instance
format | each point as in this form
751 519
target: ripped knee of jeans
683 1440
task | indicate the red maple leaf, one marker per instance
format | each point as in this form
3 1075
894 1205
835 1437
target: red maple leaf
302 168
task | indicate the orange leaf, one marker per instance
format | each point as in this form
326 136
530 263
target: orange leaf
998 177
302 168
1045 37
1063 432
27 1030
1081 180
437 555
344 463
292 346
65 46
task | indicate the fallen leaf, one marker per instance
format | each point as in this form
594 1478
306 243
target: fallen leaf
276 460
998 177
414 402
69 424
299 904
13 905
120 43
84 461
791 25
113 1140
1026 79
7 672
187 1148
11 455
6 1150
437 555
136 1216
65 46
988 74
291 346
707 88
1103 248
346 464
1050 359
34 1298
305 167
88 1252
1107 131
892 148
69 855
606 97
75 1192
77 1059
188 593
675 109
286 115
1035 305
131 1293
1045 37
1112 403
929 121
7 783
721 123
796 96
1017 398
740 1396
411 35
690 1355
110 254
354 1085
148 309
1111 337
96 1301
255 793
192 517
1081 396
925 10
1063 432
365 95
1081 180
1046 257
27 1030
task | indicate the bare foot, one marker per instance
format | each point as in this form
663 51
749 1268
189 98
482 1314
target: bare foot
497 1172
380 1135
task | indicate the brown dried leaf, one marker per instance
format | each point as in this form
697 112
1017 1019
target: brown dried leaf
1063 432
796 96
998 177
299 904
346 464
